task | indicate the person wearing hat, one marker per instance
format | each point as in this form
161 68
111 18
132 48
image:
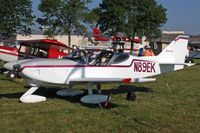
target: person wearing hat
147 51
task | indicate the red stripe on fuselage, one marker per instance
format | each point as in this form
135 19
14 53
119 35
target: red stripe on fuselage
8 48
8 53
76 66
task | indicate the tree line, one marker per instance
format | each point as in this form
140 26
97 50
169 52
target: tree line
67 17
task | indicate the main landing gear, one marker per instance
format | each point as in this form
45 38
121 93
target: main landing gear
130 96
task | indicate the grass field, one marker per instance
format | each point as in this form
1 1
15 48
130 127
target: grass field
171 104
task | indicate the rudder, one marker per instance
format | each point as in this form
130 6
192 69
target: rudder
176 51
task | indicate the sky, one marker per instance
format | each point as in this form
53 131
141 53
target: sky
183 15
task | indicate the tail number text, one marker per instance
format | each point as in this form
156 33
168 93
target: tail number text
143 66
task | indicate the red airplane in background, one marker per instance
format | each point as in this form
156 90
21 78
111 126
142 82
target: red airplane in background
44 48
30 49
118 37
116 42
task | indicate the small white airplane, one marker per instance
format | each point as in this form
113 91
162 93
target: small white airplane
107 67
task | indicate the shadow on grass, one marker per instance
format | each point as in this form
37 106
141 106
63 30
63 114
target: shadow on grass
51 93
130 88
11 95
122 89
110 106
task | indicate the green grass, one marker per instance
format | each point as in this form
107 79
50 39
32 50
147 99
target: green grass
173 108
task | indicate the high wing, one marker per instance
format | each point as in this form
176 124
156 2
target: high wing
43 43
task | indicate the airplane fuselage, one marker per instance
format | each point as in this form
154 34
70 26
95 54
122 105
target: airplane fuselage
65 71
8 54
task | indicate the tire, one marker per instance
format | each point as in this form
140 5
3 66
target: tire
131 96
189 60
11 75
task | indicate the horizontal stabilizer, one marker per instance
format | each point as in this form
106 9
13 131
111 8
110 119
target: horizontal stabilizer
171 63
167 67
190 64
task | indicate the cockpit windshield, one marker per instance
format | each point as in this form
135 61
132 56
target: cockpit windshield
79 56
101 58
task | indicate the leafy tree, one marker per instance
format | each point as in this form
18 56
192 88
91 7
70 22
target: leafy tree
15 17
63 16
92 17
133 17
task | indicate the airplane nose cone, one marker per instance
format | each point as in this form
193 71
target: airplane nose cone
12 66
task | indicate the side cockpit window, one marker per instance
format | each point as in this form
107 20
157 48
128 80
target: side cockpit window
22 49
120 58
78 56
103 58
29 50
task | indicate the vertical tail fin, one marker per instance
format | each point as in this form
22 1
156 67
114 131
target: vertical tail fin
99 36
176 52
95 30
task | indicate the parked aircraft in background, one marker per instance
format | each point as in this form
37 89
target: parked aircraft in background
107 67
30 49
105 38
194 51
118 41
44 48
